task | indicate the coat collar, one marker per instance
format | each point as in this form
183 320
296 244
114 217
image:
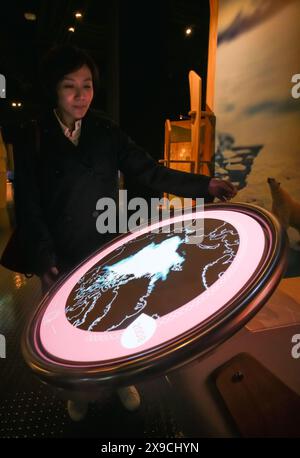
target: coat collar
91 125
74 135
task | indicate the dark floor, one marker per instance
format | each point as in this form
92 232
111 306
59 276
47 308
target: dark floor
30 409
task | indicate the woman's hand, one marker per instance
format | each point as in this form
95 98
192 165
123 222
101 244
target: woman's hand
223 190
49 278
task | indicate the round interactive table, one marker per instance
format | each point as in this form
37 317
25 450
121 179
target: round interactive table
155 299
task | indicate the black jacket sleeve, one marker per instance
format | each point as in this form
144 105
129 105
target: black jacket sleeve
134 161
36 243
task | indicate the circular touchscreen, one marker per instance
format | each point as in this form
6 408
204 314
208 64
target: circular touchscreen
159 297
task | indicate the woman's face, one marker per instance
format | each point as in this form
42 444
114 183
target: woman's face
75 94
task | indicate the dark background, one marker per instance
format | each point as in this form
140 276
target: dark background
140 47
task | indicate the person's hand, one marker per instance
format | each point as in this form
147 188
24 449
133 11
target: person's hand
223 190
49 278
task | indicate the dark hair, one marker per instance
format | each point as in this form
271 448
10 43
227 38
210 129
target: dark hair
57 63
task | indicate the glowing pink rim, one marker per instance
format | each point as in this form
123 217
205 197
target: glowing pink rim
63 341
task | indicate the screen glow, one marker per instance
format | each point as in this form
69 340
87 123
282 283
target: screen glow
147 288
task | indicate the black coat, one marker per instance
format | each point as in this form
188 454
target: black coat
58 184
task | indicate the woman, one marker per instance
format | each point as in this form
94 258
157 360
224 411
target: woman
68 160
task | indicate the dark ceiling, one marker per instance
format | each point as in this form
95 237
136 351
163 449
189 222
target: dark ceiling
140 47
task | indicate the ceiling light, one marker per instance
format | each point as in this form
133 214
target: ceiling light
30 16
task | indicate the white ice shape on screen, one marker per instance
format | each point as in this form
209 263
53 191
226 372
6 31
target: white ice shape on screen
139 331
154 262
